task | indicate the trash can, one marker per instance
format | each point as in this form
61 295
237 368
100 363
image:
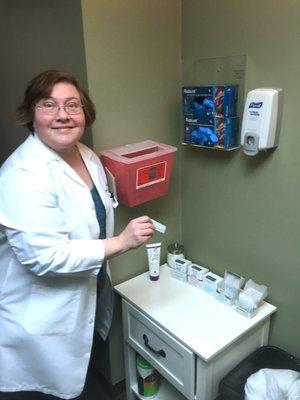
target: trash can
232 385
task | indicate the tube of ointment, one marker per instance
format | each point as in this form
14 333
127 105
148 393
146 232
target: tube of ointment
153 252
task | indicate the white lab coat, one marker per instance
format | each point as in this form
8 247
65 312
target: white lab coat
50 256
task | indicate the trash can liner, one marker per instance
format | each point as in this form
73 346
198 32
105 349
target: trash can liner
273 384
232 386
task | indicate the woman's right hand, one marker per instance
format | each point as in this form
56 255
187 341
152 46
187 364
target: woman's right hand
136 233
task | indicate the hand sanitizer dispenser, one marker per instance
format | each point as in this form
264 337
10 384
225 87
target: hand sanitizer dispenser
261 120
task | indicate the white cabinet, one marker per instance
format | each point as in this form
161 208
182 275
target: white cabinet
166 354
188 336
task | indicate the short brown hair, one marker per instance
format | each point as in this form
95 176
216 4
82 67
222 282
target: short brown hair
40 87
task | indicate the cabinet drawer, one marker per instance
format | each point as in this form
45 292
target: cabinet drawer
173 360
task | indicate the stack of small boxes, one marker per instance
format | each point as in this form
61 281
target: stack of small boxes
196 274
186 271
179 269
210 118
212 283
228 290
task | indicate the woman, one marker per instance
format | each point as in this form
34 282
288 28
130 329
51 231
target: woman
56 233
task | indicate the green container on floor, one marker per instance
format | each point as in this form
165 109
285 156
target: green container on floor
147 378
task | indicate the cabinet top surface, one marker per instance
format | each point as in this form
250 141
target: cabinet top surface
189 314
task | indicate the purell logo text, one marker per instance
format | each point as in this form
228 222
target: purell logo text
191 120
256 104
254 113
189 91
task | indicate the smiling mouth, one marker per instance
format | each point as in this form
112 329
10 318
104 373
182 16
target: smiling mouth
63 127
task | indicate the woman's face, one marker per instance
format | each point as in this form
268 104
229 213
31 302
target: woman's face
60 131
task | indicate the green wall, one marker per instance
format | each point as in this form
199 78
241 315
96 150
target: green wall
132 53
229 210
239 212
133 63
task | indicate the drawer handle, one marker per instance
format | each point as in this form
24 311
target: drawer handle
158 352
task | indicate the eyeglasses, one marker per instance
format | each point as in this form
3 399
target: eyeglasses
51 108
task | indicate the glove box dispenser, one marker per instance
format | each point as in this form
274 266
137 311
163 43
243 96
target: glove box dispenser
141 171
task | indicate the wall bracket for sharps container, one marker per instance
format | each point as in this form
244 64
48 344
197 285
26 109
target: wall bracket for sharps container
261 120
141 170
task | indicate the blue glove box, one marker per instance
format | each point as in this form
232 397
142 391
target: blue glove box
217 132
206 101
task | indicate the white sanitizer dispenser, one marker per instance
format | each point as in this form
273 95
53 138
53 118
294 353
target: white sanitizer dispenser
261 120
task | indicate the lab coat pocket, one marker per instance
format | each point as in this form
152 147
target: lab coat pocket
51 311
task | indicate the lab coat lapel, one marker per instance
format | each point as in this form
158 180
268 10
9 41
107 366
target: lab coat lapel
71 173
93 169
51 155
